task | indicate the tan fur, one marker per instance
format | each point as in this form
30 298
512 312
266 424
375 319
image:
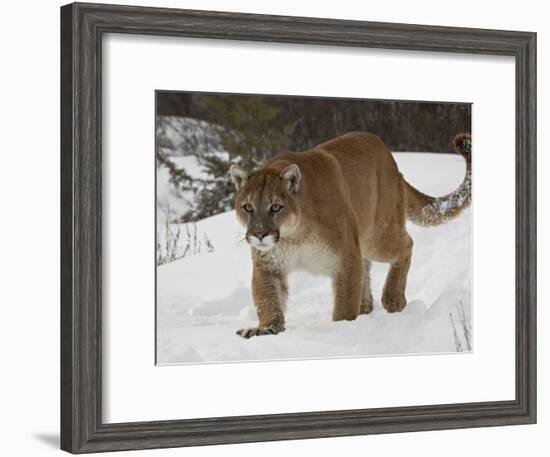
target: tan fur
342 204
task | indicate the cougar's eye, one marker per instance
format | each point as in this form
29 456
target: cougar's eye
275 207
248 207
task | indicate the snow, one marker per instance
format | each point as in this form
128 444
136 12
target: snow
172 203
167 194
186 136
203 299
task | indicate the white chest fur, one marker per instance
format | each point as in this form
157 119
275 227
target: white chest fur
312 256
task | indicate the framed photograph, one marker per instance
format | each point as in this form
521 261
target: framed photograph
283 227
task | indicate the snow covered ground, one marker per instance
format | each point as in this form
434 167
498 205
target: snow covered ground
203 299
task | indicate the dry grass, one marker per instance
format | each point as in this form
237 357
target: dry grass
176 242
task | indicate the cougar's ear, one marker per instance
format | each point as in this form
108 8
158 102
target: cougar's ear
239 176
291 175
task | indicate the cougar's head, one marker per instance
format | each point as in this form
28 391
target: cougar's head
267 204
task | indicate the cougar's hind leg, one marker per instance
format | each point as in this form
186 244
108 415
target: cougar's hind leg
393 295
366 298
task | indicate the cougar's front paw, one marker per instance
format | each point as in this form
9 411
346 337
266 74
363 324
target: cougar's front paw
259 331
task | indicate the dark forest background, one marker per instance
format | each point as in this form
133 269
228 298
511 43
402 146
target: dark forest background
221 129
403 125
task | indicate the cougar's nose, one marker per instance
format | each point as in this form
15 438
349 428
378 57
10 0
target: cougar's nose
260 233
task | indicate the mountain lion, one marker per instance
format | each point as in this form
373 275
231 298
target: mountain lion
332 210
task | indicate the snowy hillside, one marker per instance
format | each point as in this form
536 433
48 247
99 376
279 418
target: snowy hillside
182 136
167 194
203 299
178 240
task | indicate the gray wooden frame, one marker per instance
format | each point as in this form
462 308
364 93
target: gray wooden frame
82 28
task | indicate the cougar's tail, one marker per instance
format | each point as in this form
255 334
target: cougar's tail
425 210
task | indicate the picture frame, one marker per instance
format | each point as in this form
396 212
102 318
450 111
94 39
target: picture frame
82 28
